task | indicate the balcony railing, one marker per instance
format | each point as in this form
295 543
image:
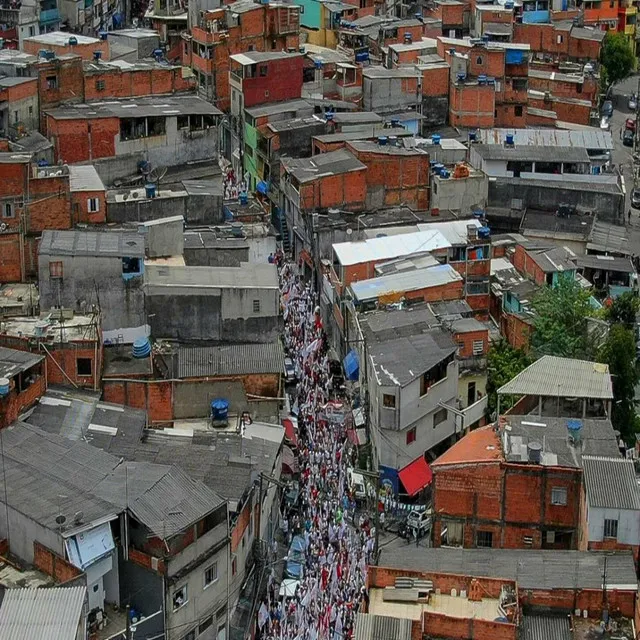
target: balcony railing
49 15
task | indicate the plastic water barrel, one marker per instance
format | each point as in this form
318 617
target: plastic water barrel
141 348
4 387
150 190
219 409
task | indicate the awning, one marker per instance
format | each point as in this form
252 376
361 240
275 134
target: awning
415 476
289 460
262 187
351 366
290 431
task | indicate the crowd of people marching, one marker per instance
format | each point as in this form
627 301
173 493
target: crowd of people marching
331 590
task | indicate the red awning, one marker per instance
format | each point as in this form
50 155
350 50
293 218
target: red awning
415 476
290 432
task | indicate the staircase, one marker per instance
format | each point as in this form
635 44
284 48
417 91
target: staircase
284 231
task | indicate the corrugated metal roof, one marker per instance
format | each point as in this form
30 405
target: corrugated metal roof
389 247
322 165
606 263
48 613
531 153
610 238
611 483
13 361
405 281
92 243
556 377
532 569
373 627
546 628
234 359
593 138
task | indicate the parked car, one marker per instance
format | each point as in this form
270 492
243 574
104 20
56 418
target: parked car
627 138
605 123
607 108
630 124
635 198
296 558
417 522
632 104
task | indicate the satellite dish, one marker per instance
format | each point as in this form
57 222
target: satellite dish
134 195
61 519
349 231
78 517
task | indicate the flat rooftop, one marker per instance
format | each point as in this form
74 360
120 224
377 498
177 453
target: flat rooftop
455 607
61 39
48 326
325 164
114 244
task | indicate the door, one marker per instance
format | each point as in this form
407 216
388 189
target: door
471 393
96 595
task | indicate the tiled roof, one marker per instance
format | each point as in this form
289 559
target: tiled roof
611 483
480 445
13 361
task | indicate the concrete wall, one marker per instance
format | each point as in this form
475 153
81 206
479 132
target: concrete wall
201 601
387 94
175 147
608 205
194 209
92 279
435 111
459 195
215 257
22 532
145 46
164 238
261 248
143 589
112 170
226 315
628 524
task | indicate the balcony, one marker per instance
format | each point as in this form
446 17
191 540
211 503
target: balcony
49 16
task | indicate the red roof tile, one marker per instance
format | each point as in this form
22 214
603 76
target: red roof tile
481 445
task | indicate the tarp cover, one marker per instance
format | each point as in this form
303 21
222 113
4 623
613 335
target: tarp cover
415 476
351 366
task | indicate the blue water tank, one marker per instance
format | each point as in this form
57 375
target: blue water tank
478 213
97 55
574 427
482 79
484 232
395 122
243 198
328 116
219 409
158 53
150 190
104 35
141 348
362 56
317 64
444 174
4 387
435 138
73 41
472 136
382 140
509 139
437 168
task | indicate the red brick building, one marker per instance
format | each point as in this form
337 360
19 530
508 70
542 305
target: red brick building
264 77
236 28
22 382
88 195
518 486
47 206
61 43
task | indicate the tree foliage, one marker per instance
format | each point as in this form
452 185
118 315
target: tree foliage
561 320
616 57
619 352
623 309
503 363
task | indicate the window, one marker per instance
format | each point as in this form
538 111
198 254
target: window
517 111
7 210
16 117
411 435
256 306
559 496
478 347
476 288
30 111
434 375
205 624
484 539
183 122
558 39
610 528
99 85
210 574
52 82
263 70
388 401
451 533
32 31
93 205
55 269
479 60
83 366
180 597
131 265
234 566
439 417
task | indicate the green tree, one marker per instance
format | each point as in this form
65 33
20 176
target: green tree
623 309
560 324
619 352
503 363
616 57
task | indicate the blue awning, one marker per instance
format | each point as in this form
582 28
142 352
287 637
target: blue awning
514 56
262 187
351 366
